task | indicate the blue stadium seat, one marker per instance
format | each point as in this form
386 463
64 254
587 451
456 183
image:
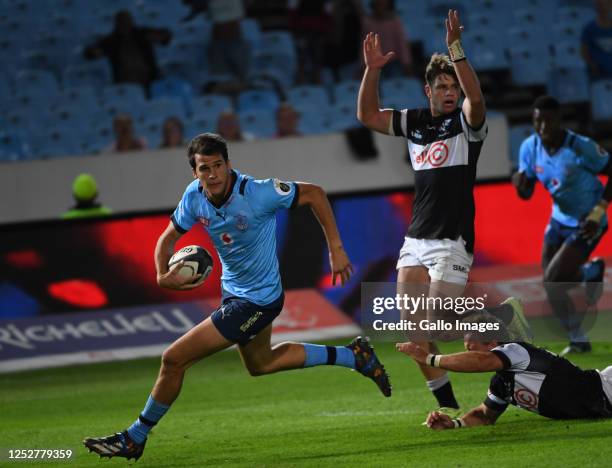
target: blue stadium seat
71 116
54 141
564 32
200 123
211 104
259 122
161 14
567 54
517 134
150 128
407 91
251 32
575 15
258 99
601 100
487 50
96 74
569 84
161 108
346 92
538 40
313 122
122 94
185 49
84 96
533 18
174 87
306 96
39 83
193 31
13 146
343 116
528 68
273 66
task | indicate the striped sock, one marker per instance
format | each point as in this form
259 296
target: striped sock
152 412
319 355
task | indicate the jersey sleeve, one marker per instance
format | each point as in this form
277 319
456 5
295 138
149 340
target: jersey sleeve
514 356
527 158
403 122
183 218
498 397
270 195
594 157
474 134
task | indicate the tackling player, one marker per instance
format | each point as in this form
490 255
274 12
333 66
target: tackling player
525 376
567 164
239 213
444 142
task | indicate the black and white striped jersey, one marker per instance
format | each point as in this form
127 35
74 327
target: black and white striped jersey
443 151
542 382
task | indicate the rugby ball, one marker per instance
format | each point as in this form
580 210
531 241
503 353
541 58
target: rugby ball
197 262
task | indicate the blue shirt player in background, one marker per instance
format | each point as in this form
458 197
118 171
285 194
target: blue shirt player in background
239 213
567 164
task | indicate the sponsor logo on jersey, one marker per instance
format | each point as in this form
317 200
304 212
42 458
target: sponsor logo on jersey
242 223
282 188
226 238
204 221
460 268
436 155
526 398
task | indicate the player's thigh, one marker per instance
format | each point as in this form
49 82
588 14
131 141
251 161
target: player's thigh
448 262
202 340
548 252
258 351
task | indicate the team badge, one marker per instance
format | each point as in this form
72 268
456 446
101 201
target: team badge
204 221
282 188
242 223
226 238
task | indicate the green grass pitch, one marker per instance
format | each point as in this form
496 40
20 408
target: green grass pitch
314 418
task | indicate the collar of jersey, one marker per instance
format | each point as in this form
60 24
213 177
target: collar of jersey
235 176
442 117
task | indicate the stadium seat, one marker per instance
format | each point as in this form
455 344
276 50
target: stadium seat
160 14
96 74
569 84
274 66
575 15
84 96
528 69
537 40
314 122
54 141
71 116
601 100
487 50
173 87
200 123
259 122
346 92
13 146
567 54
343 116
39 83
251 32
533 18
306 96
402 93
517 134
161 108
210 104
122 94
258 99
567 33
150 128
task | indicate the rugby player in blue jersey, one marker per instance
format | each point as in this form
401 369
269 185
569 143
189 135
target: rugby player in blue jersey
239 213
567 164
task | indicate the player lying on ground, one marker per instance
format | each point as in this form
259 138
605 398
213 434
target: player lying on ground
444 143
239 213
525 376
567 164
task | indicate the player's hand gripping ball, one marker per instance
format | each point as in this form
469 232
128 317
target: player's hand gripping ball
197 261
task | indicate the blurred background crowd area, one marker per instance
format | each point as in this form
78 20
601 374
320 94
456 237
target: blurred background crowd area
89 77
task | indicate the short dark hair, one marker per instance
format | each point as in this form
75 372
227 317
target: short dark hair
439 64
546 103
207 144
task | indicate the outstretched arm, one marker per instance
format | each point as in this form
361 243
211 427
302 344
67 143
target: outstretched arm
315 197
469 361
474 104
368 104
479 416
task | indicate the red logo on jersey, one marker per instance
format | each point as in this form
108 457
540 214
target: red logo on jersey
436 156
226 238
526 398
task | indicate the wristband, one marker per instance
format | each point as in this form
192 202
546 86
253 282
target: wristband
455 51
458 422
433 360
596 214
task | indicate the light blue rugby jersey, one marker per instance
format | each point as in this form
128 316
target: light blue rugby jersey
243 231
570 175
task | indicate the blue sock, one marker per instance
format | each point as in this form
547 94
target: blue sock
589 271
319 355
152 412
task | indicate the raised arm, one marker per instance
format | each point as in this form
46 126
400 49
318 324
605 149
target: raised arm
368 103
171 279
469 361
316 198
474 104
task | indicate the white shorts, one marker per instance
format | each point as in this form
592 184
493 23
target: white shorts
445 259
606 382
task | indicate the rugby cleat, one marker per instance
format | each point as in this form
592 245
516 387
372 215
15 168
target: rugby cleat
576 348
594 286
117 445
368 365
518 328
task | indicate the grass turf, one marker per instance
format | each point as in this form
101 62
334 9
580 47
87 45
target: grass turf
315 417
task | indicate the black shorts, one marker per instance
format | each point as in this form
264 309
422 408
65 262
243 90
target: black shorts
558 234
239 320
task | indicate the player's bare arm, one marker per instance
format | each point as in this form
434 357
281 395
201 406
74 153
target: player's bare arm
479 416
315 197
368 103
524 185
171 279
469 361
474 107
592 223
